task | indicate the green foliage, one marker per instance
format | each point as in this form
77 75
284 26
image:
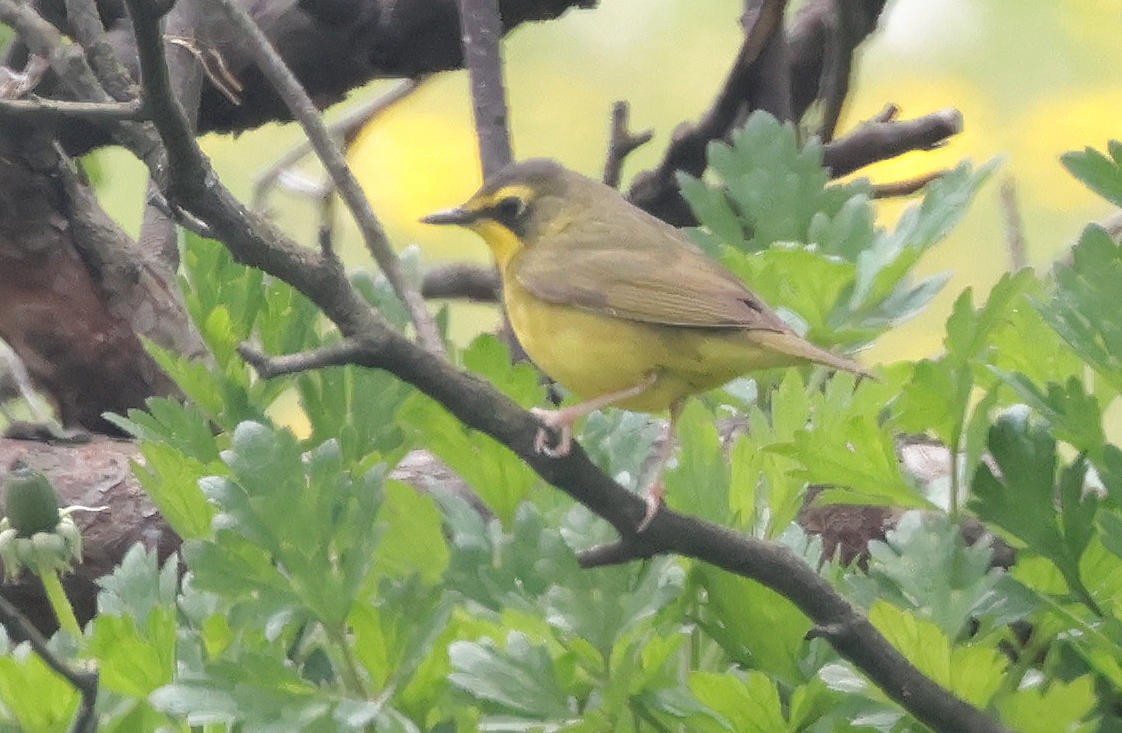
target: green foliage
770 210
324 593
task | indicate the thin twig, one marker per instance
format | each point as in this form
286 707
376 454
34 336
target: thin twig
39 109
347 351
85 682
622 142
482 29
329 153
1014 225
342 129
906 187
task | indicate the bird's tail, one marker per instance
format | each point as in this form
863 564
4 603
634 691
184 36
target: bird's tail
802 350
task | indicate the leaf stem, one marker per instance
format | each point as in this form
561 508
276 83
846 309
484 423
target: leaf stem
348 669
60 603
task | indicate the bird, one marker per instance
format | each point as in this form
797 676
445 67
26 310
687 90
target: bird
618 306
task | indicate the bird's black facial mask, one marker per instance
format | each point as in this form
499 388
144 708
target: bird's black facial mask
512 212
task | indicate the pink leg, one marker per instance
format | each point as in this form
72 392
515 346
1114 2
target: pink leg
563 419
656 493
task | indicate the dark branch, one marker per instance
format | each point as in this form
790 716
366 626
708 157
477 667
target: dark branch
462 281
906 187
875 140
347 351
848 32
657 190
37 109
481 25
622 142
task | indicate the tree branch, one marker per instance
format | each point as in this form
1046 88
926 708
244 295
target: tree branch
622 142
481 26
877 140
656 191
349 189
462 281
343 129
37 109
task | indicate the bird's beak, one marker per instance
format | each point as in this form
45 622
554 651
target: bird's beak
459 215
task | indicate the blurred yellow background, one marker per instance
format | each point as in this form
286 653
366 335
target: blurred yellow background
1033 79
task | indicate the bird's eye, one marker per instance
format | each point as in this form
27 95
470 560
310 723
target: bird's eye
510 209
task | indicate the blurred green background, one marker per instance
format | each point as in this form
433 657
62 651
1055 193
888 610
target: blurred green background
1033 79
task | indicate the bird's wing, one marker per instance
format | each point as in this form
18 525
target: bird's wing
664 280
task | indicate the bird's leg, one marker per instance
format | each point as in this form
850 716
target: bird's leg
656 494
562 420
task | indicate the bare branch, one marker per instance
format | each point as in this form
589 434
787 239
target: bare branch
462 281
622 142
906 187
875 140
481 25
345 129
1014 226
848 33
657 190
349 189
347 351
43 110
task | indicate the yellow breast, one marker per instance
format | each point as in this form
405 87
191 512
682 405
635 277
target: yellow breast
593 354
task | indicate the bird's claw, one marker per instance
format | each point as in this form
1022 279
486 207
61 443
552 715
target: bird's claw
544 436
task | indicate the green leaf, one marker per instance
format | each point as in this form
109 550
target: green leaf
413 539
923 565
1101 174
746 705
883 267
498 476
699 484
815 295
518 679
171 480
1084 304
846 445
737 609
295 530
138 586
1073 415
1054 706
134 661
37 696
974 673
395 635
1022 495
358 408
489 357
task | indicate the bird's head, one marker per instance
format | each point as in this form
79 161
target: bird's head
521 205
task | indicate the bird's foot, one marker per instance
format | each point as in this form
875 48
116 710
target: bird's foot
655 499
553 422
